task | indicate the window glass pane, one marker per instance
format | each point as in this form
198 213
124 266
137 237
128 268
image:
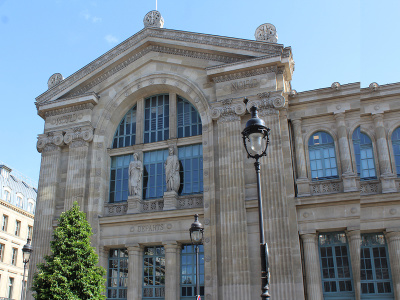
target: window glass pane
364 155
322 156
396 149
188 119
156 118
154 273
126 131
188 271
119 178
191 169
154 184
117 275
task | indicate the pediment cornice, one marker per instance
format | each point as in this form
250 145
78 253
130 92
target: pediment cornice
157 35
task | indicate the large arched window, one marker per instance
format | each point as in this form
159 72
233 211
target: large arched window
156 128
396 149
321 149
364 155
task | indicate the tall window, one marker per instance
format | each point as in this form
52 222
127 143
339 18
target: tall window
188 271
335 266
30 229
7 195
17 227
396 149
154 184
119 178
154 273
191 169
156 118
364 155
5 223
10 287
30 206
1 252
189 122
117 274
125 134
14 254
375 271
19 202
322 156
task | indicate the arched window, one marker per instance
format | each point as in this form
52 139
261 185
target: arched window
156 127
364 155
321 149
396 149
7 195
125 134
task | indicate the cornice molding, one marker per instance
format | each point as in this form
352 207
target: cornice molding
66 110
248 45
244 74
16 209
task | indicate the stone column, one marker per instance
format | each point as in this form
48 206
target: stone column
173 116
354 239
393 240
50 146
348 176
303 187
78 140
387 177
135 274
104 253
312 267
171 271
235 277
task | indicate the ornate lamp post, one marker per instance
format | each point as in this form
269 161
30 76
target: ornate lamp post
26 251
196 236
256 140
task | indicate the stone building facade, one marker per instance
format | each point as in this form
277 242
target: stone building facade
330 182
17 208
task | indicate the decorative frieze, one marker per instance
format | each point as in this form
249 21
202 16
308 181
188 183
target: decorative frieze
244 74
368 188
325 187
68 110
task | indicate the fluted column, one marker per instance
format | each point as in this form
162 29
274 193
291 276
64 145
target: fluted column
50 146
134 272
78 140
349 177
387 177
171 271
312 266
354 239
302 182
393 240
235 277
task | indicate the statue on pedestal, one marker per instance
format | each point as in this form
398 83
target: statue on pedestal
135 176
172 167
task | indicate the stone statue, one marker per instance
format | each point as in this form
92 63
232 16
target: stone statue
135 176
172 171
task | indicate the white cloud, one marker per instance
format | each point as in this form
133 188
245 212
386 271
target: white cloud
111 39
87 16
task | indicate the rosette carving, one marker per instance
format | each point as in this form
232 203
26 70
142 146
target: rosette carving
78 136
229 111
50 141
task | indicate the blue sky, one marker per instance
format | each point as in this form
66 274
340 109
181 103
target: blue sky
344 41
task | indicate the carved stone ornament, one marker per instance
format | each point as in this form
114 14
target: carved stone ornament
268 105
54 79
266 32
50 138
153 19
335 86
373 86
79 134
229 111
293 93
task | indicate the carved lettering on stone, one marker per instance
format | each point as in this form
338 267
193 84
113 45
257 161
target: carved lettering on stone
244 85
149 228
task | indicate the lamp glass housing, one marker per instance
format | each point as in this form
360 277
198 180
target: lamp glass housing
256 142
26 255
196 236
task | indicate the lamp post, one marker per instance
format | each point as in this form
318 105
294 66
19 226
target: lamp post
26 251
257 135
196 236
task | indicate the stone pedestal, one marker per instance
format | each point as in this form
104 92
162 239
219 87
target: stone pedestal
170 200
349 182
134 204
388 183
303 187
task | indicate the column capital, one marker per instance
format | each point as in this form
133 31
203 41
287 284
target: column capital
309 237
170 246
296 122
132 248
50 141
377 117
339 115
353 234
227 110
78 136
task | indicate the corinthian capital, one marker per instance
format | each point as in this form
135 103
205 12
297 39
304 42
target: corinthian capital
78 136
49 141
227 110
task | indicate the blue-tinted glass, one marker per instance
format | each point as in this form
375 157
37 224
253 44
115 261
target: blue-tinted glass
154 273
396 149
322 156
119 178
126 131
191 172
188 119
188 271
153 178
156 118
117 274
364 156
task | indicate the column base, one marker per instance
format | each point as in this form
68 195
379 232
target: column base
170 200
303 187
134 203
349 182
388 183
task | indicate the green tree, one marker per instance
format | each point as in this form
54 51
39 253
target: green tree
71 272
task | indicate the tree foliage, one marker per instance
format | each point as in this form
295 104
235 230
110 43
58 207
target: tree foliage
71 272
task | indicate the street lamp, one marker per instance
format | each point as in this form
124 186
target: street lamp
256 134
26 251
196 236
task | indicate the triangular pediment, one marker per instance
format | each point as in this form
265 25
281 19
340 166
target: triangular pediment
216 49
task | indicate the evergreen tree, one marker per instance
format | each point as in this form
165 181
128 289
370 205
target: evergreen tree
71 272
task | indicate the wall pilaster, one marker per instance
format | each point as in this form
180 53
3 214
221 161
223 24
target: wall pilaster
354 239
78 139
303 187
393 241
312 266
172 275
